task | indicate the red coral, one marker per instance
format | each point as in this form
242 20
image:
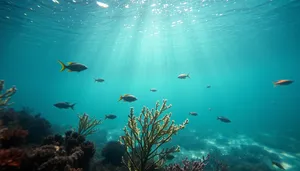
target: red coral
11 158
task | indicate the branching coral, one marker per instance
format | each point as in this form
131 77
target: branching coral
86 125
10 159
148 132
5 97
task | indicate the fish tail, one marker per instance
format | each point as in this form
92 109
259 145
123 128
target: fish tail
63 66
95 79
188 75
72 106
274 83
121 97
105 117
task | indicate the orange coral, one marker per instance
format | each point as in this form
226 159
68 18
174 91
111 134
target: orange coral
11 157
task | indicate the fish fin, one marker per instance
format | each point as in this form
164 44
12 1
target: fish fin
69 63
121 97
72 106
274 83
105 117
188 75
63 66
70 70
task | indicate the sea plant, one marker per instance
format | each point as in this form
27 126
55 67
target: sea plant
87 126
145 134
6 96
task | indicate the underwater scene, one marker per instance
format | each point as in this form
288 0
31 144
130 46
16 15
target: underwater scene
149 85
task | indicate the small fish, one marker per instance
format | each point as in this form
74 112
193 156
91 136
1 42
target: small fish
128 98
223 119
209 109
170 157
153 89
72 66
208 86
193 113
279 165
64 105
282 82
167 156
110 116
183 76
99 80
37 115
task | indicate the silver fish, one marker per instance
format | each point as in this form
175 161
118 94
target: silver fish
183 76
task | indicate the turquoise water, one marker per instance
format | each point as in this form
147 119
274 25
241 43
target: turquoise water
237 47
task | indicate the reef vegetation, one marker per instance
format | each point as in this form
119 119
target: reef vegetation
27 142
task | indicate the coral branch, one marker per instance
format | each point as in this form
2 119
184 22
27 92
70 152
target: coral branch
148 132
87 126
5 97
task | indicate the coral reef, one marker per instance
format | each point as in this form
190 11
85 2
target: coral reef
113 152
6 96
12 137
37 127
198 165
53 140
146 134
57 153
10 159
86 125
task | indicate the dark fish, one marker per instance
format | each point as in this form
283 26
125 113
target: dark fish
72 66
64 105
170 157
208 86
153 90
99 80
128 98
223 119
283 82
37 115
278 165
167 156
110 116
193 113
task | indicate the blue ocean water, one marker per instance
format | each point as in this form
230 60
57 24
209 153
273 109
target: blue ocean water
239 47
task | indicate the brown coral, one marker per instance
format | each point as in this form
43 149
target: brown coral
10 158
